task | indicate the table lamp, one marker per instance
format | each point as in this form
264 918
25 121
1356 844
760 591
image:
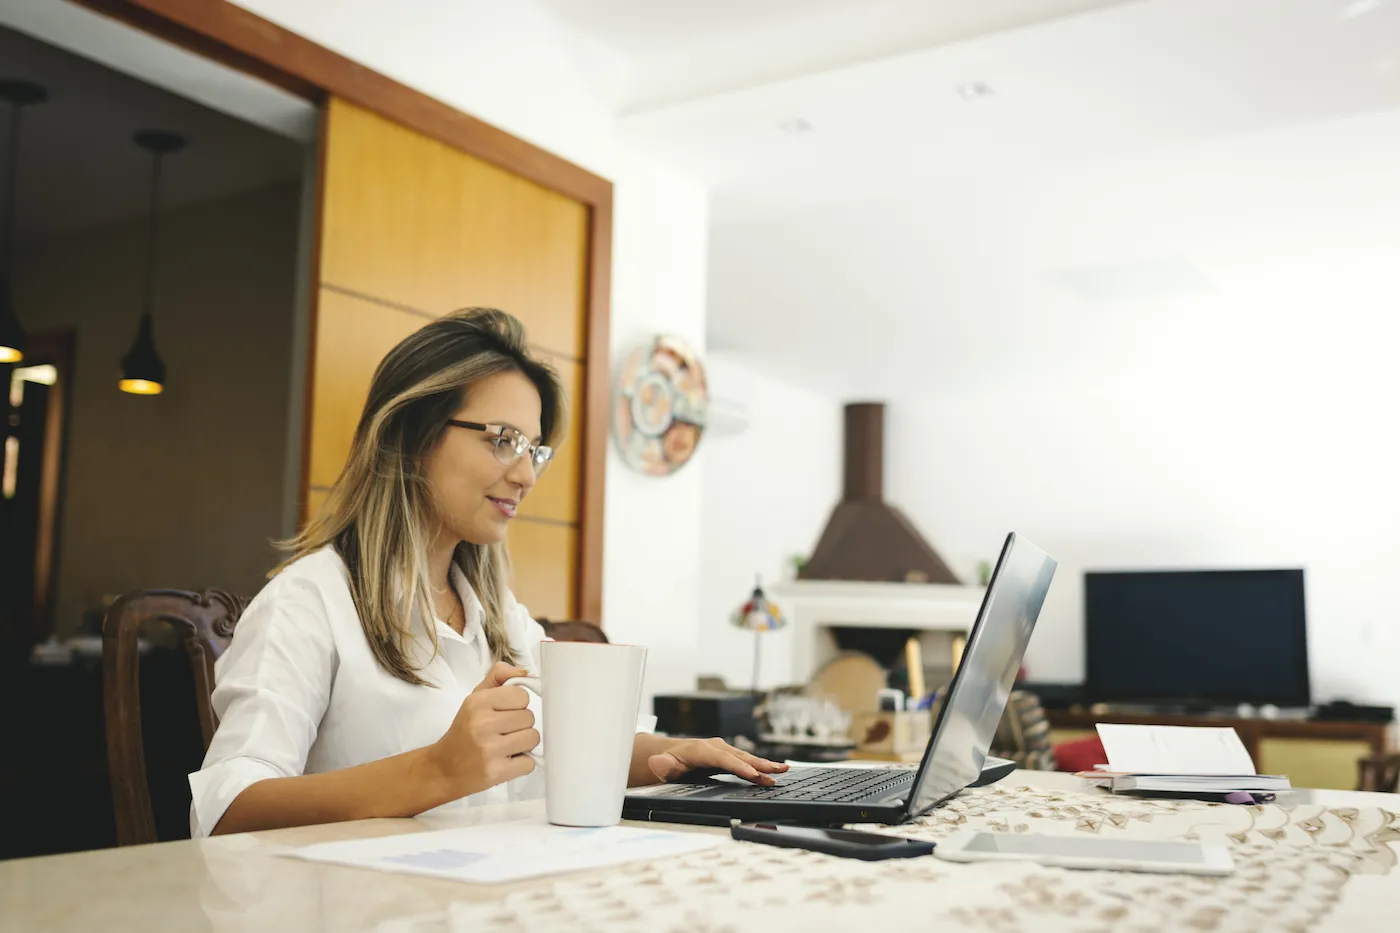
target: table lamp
758 615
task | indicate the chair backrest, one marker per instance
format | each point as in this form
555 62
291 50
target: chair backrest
1380 773
1023 733
204 623
573 631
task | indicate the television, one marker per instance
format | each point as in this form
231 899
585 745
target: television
1196 638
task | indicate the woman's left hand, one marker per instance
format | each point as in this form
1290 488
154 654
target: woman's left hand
712 753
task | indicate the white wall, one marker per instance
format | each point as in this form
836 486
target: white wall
1242 421
766 496
1231 401
514 66
651 573
1217 459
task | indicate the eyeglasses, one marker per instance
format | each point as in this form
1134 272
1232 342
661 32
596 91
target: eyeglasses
510 445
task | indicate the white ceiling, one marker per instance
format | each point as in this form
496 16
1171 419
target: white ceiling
1130 78
1146 171
680 49
1272 250
78 167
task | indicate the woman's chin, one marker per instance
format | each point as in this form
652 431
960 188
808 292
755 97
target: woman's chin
492 531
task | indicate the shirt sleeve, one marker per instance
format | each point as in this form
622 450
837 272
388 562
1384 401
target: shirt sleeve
529 634
272 687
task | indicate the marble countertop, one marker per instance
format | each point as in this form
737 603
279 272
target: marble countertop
241 883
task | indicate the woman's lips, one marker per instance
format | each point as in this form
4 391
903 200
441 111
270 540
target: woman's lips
507 506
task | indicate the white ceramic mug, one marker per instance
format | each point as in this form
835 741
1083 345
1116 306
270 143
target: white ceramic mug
591 693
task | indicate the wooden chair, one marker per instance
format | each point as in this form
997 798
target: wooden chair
1380 773
573 631
204 623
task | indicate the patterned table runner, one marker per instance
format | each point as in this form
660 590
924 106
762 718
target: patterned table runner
1292 867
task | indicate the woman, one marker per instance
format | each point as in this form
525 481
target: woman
366 678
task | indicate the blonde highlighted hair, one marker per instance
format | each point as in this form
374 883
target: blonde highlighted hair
378 515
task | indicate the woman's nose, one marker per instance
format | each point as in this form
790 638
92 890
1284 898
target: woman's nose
522 473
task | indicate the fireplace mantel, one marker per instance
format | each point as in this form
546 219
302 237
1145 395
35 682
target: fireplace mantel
815 606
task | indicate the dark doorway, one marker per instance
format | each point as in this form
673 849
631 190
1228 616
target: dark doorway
37 396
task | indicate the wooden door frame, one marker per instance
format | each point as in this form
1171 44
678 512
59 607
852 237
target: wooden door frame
56 347
227 33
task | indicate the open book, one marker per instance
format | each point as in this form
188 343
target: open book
1179 760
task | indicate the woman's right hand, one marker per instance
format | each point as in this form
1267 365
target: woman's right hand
488 741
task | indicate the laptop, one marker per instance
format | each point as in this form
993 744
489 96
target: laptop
956 751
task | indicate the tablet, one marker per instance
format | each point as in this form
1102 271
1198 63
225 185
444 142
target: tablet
1085 851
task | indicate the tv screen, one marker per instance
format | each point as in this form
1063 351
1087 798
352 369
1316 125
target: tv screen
1196 637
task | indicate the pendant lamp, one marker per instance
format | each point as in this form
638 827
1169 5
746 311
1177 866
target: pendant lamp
143 371
18 94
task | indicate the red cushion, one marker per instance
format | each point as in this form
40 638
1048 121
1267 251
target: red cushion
1080 754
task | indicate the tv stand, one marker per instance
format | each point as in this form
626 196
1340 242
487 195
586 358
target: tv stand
1176 709
1191 711
1312 752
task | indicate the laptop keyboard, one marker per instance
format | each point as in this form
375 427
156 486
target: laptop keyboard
836 785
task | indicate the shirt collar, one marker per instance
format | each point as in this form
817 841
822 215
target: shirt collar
473 628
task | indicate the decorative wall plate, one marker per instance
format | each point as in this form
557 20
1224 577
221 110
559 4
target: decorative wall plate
659 406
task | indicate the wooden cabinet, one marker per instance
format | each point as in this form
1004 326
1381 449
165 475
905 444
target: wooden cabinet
1311 753
413 228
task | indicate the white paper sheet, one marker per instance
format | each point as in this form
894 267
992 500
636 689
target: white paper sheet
1174 750
500 852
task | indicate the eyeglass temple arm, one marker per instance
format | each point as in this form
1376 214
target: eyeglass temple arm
471 425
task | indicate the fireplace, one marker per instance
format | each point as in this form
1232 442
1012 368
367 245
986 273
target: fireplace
872 569
941 614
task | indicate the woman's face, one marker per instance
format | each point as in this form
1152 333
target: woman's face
475 494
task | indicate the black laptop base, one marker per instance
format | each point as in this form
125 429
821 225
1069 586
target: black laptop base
811 813
699 799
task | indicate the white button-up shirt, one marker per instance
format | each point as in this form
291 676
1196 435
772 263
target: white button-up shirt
299 692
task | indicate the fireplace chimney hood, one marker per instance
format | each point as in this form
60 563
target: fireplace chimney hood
866 538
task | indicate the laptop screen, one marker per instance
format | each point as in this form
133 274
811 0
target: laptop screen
973 704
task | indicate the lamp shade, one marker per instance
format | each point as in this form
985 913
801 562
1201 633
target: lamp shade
143 371
12 337
758 614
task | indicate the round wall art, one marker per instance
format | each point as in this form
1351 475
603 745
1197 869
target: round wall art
659 406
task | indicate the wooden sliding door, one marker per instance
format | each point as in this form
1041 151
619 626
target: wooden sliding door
412 228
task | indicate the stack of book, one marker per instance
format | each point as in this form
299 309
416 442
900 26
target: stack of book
1187 761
